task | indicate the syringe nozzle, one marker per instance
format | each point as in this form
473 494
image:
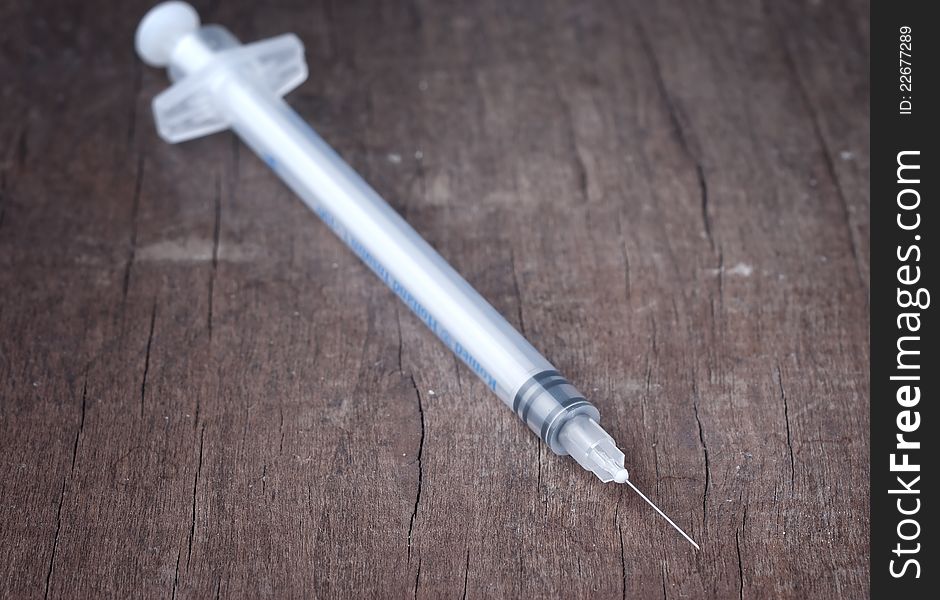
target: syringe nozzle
593 448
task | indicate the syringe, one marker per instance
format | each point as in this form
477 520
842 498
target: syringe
220 84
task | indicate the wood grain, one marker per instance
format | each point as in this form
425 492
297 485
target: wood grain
205 394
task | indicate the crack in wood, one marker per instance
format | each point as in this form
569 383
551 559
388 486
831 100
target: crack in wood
192 526
236 161
624 255
135 95
135 209
81 422
675 121
737 547
538 480
662 571
703 195
466 576
701 437
623 565
216 230
417 578
414 512
786 418
401 343
143 380
176 575
280 425
55 539
571 138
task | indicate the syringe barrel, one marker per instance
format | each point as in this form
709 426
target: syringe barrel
467 324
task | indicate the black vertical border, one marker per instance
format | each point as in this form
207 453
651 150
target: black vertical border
891 133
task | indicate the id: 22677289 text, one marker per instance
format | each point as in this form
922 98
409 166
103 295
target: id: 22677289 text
905 70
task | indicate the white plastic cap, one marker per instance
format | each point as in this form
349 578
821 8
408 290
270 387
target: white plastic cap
160 30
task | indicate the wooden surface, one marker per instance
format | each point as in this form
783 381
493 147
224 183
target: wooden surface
205 394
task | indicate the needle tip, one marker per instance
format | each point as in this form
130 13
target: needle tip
662 514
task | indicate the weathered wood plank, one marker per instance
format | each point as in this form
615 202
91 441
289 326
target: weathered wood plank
204 393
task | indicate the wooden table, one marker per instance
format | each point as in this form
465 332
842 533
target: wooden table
204 393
